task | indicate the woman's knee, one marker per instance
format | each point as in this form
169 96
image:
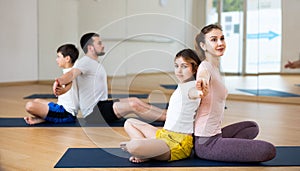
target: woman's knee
246 124
253 124
248 129
268 151
254 128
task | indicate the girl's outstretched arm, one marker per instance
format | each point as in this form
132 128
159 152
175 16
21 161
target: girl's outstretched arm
194 93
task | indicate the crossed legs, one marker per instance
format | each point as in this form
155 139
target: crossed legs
39 109
143 146
235 144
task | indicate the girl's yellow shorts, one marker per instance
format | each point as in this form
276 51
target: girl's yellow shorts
180 144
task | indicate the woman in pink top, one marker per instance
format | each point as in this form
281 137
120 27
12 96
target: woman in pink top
233 143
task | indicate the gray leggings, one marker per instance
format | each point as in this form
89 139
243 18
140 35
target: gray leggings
235 144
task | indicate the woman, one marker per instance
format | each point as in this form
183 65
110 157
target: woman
233 143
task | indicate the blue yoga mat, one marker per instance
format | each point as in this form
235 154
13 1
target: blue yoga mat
268 92
52 96
19 122
116 158
169 86
115 96
161 105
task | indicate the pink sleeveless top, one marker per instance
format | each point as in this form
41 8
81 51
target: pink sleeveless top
210 113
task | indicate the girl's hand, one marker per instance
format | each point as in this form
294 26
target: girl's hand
194 93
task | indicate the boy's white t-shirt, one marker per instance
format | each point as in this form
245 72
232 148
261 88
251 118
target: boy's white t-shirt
69 100
92 84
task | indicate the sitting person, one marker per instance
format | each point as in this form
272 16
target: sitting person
235 142
66 108
91 79
175 140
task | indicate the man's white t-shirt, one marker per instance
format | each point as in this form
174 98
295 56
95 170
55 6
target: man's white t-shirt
92 84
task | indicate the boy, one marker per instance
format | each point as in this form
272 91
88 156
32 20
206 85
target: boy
66 108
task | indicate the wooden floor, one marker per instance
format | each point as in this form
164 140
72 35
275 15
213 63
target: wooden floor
40 148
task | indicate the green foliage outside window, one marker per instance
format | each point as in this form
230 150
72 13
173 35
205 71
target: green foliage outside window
230 5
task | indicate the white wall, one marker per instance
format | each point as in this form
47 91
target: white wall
58 24
104 17
31 31
18 40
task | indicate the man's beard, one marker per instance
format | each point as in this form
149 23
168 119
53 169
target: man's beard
100 53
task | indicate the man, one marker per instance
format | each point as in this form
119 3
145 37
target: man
93 92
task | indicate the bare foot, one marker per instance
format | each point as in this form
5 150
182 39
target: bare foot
33 120
137 160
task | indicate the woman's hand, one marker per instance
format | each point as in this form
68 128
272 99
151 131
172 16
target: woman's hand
202 84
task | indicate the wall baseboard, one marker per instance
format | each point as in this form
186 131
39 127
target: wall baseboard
17 83
22 83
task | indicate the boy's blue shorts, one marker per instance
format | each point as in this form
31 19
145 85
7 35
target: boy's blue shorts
58 114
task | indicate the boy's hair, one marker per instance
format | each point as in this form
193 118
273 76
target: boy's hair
69 50
191 57
86 40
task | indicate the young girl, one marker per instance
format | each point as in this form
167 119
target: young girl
66 108
174 141
233 143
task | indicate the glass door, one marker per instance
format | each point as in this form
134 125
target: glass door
263 52
253 37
